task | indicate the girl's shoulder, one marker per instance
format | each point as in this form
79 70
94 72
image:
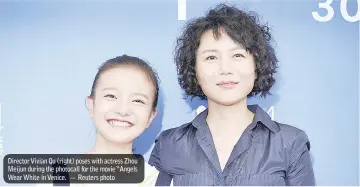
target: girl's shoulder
150 177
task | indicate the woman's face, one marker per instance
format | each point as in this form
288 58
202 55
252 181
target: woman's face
224 69
123 104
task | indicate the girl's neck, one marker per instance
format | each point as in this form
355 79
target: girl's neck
104 146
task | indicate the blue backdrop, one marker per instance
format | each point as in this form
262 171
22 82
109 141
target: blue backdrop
50 52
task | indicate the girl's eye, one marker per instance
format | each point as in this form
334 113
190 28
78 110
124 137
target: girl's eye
139 101
110 96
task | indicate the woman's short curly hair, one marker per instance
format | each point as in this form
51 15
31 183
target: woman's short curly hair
242 27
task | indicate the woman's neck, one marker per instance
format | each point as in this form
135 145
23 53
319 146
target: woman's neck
232 117
104 146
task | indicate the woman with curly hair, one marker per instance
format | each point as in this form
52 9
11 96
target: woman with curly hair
225 58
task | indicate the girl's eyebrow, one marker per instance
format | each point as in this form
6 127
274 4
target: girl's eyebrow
141 94
109 88
136 93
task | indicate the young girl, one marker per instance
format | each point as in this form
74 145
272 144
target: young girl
122 104
226 57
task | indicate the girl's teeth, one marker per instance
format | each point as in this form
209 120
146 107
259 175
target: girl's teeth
119 123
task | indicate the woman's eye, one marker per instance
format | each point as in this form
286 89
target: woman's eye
239 55
210 58
110 96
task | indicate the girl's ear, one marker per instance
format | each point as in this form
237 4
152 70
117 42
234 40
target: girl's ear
90 106
152 117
